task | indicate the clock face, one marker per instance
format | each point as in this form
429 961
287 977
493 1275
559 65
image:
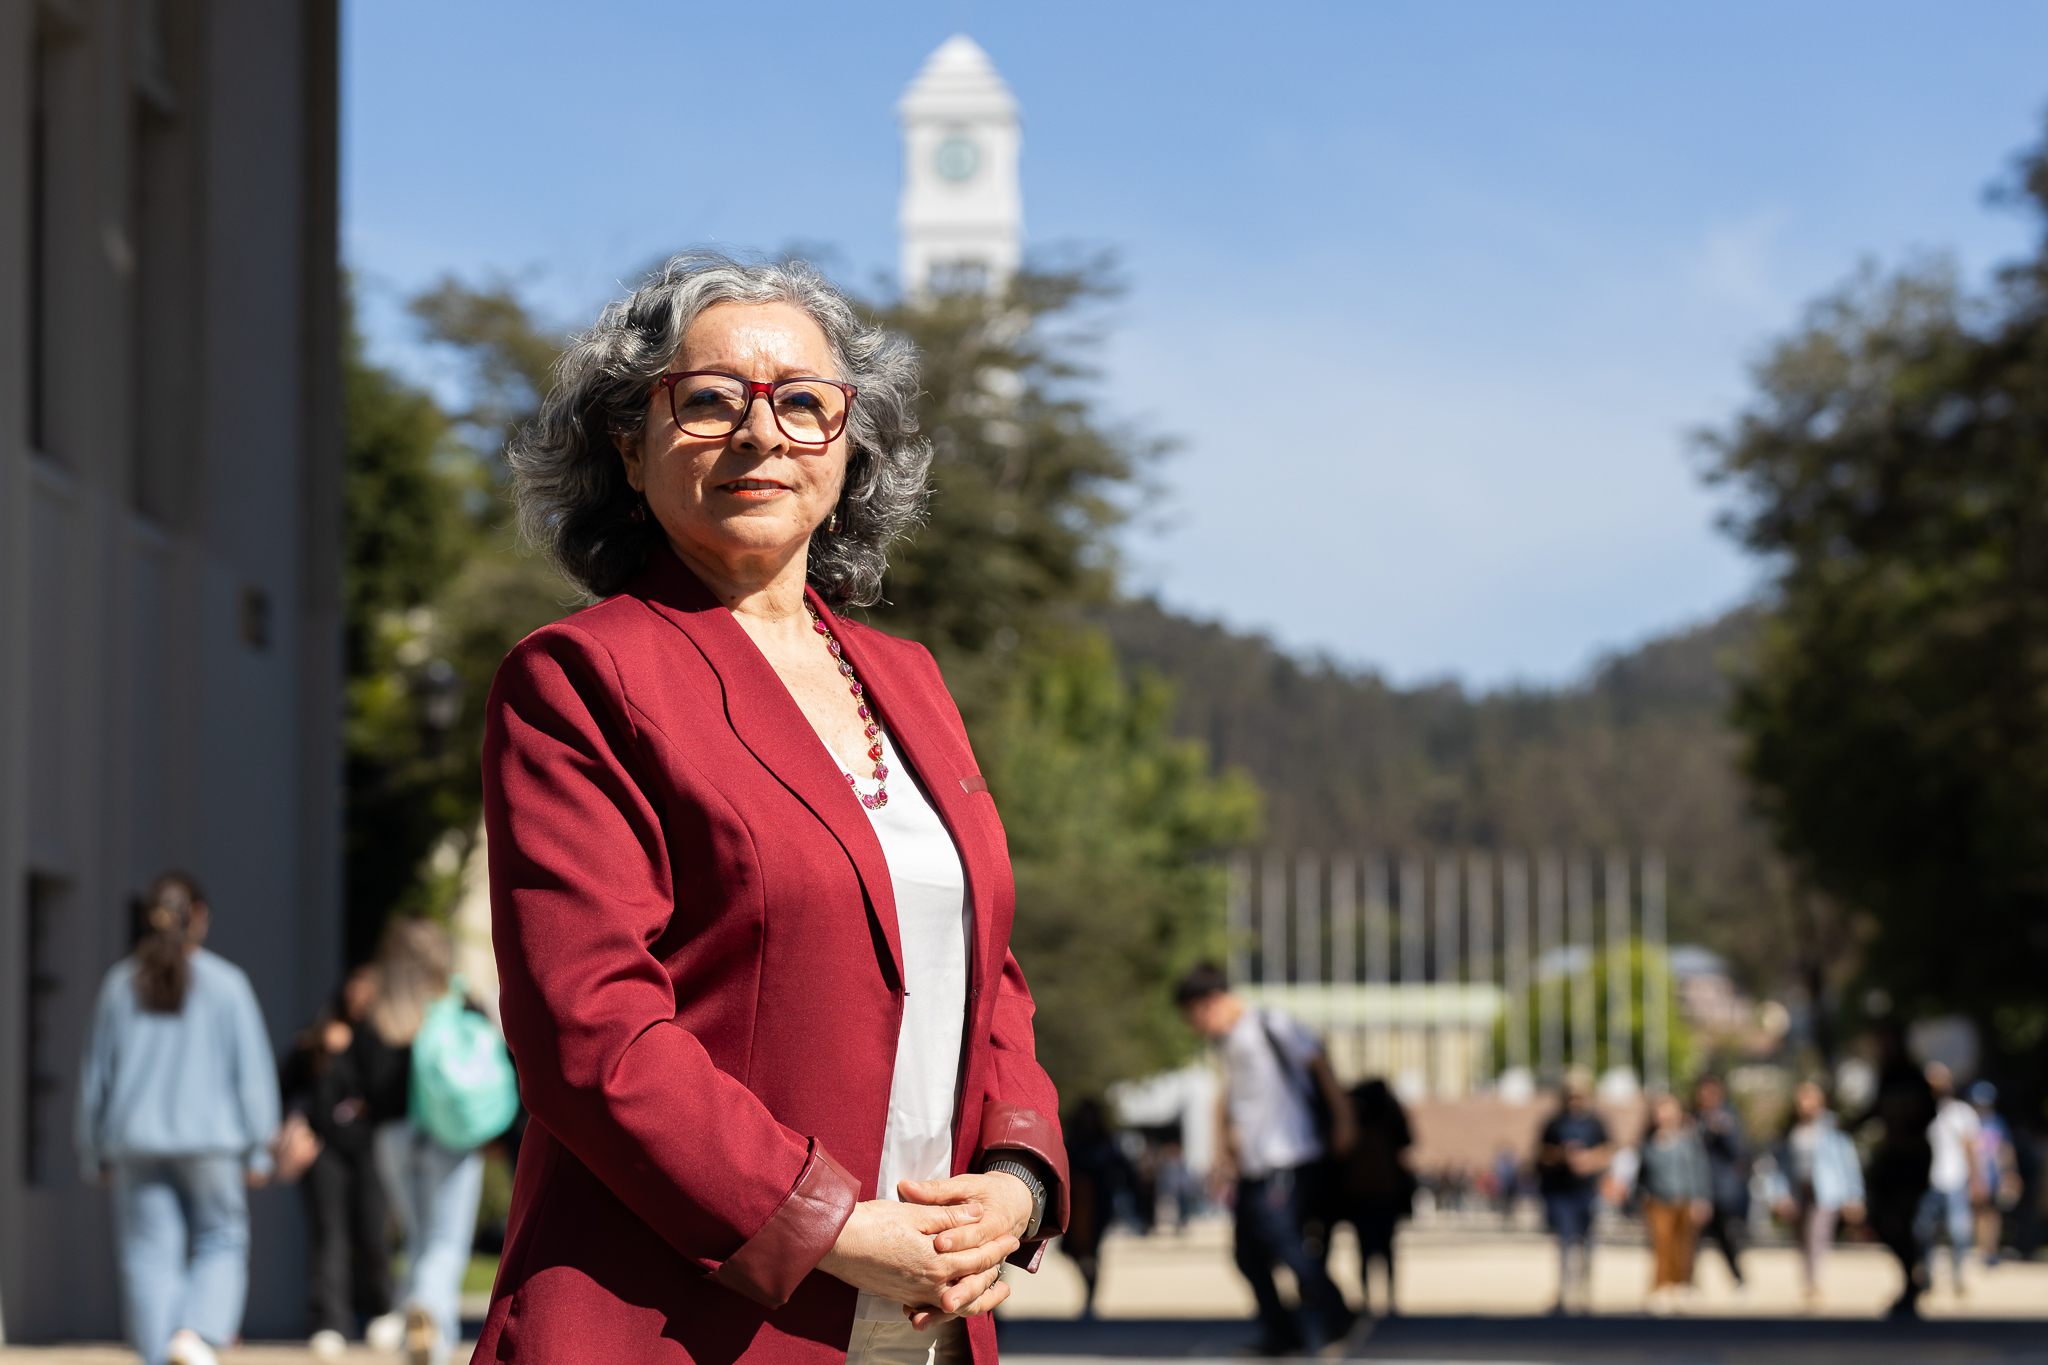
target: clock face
958 158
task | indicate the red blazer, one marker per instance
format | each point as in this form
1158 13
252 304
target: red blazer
703 983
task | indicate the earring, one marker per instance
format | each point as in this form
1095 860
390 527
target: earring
832 524
639 512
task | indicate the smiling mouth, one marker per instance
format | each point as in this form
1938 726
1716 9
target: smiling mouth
756 486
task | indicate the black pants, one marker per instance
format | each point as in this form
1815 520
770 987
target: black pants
1375 1227
348 1266
1893 1214
1268 1230
1725 1228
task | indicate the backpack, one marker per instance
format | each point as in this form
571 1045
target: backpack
464 1091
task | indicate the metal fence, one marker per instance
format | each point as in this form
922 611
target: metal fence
1457 971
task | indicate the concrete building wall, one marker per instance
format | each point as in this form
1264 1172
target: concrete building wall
170 502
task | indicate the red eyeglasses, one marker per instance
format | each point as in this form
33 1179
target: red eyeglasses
810 412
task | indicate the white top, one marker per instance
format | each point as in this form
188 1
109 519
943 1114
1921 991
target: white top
1952 1134
936 924
1269 1110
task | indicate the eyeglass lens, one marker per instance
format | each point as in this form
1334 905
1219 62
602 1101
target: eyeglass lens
809 411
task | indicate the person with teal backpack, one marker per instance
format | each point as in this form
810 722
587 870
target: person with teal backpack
460 1093
464 1091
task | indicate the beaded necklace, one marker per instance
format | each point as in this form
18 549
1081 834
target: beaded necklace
874 729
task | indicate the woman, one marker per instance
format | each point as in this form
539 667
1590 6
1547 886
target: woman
1097 1172
1377 1186
1822 1180
432 1188
751 898
177 1106
327 1081
1677 1192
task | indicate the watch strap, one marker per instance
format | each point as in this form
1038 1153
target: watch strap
1031 1183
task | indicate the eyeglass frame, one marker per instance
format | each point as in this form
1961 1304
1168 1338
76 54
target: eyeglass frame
756 389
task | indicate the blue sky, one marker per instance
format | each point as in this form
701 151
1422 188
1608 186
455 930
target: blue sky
1543 241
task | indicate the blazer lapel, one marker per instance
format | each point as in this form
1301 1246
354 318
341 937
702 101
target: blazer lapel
923 742
769 722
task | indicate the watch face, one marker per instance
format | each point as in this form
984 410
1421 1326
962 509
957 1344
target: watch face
958 158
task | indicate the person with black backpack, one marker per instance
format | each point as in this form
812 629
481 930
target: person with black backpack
1375 1186
1283 1114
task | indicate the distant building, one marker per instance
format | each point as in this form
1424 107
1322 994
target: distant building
962 215
170 558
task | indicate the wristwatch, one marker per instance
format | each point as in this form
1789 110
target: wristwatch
1031 1183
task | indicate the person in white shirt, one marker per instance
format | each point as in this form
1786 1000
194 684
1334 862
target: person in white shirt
1953 1181
1275 1076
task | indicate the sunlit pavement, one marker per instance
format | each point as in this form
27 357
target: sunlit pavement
1485 1271
1475 1293
1466 1293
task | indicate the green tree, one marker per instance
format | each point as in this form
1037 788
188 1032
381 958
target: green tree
1893 471
1636 960
1016 539
1113 824
404 537
436 593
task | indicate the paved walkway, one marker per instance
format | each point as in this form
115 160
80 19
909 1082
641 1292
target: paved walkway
1476 1269
1467 1293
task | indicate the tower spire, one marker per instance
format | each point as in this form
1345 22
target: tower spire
962 215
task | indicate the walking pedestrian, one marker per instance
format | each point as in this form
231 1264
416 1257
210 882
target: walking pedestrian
1377 1188
1728 1161
327 1081
1998 1165
1677 1190
1507 1183
1275 1080
1954 1181
1818 1181
1572 1153
1897 1178
433 1186
1097 1172
177 1107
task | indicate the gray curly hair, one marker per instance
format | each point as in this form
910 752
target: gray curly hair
570 484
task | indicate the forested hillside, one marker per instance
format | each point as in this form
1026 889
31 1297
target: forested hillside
1638 754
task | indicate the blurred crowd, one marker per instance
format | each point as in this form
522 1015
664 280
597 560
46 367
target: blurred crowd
382 1108
1934 1172
379 1110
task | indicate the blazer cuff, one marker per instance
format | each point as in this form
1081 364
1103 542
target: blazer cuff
773 1262
1012 1127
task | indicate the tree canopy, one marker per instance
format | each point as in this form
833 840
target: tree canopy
1893 470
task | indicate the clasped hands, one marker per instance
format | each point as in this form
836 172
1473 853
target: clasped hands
940 1251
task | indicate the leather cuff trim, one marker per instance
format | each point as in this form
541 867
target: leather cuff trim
773 1262
1027 1257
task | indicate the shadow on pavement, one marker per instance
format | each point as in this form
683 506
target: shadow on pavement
1592 1341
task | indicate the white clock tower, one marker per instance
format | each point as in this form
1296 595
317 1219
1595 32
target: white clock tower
962 217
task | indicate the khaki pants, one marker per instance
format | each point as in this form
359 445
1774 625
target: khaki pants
898 1343
1672 1236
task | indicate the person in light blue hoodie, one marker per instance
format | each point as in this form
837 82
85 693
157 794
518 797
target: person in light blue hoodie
177 1108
